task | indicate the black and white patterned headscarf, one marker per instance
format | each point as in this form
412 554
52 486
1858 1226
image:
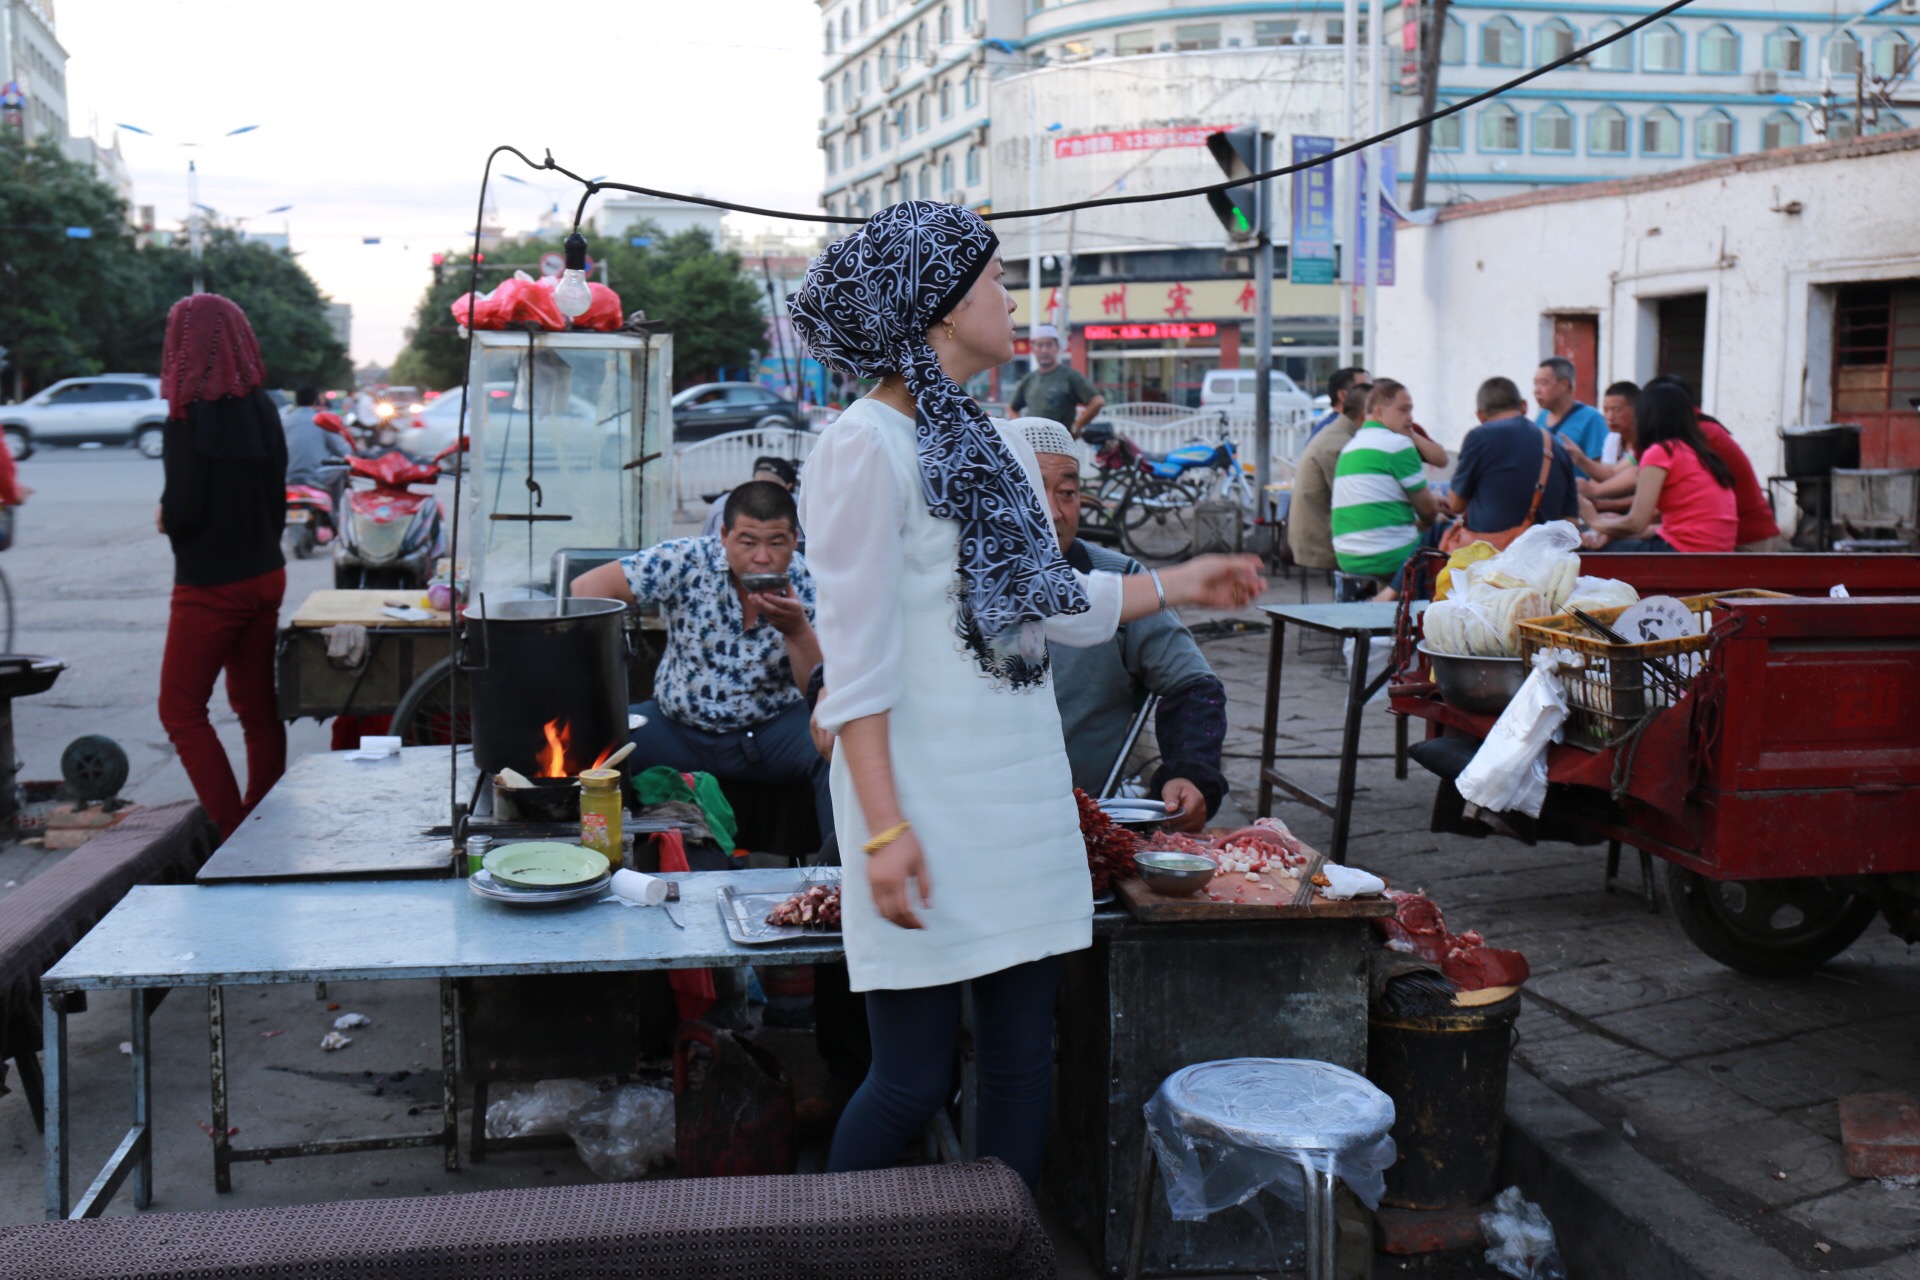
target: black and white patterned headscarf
864 310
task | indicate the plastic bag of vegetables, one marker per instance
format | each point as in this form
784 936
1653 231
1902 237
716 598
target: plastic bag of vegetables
1481 620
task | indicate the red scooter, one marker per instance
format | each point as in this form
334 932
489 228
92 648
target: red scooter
394 530
310 508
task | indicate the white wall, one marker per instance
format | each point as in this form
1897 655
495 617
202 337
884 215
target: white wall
1477 289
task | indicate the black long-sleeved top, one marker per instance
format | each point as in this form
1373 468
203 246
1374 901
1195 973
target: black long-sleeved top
225 501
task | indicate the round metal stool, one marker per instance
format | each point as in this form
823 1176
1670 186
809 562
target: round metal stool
1221 1132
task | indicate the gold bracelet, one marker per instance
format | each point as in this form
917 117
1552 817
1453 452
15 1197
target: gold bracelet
886 838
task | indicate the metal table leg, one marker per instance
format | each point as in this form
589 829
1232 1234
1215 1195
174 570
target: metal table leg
217 1073
1276 655
449 1078
1357 695
53 1013
1142 1204
143 1004
1321 1230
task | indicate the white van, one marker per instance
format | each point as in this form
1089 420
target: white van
1233 389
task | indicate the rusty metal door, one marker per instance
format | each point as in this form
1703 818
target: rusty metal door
1577 338
1876 369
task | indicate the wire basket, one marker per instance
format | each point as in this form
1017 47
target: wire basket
1621 684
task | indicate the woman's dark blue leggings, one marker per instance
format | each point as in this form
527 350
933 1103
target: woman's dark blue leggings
914 1036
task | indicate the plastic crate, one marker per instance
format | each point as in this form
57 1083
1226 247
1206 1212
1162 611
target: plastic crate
1623 683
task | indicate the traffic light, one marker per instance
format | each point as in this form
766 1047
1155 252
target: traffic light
439 267
1238 153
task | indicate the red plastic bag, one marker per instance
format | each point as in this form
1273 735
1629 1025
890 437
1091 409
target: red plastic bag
512 301
604 315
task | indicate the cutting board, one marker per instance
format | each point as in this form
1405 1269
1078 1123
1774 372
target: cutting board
332 608
1232 896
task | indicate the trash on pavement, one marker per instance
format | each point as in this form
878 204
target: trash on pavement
625 1131
1522 1238
334 1040
348 1021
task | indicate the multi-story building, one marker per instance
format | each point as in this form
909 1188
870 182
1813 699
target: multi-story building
1000 103
33 63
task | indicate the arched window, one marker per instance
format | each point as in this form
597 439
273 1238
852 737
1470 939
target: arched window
946 176
1453 42
866 142
1660 133
1553 130
1887 122
969 12
866 204
846 152
973 166
886 194
1617 56
902 52
1500 43
1781 129
1552 41
1785 51
946 98
970 92
1663 48
1446 133
920 45
1843 54
1840 127
1713 135
846 87
829 35
866 17
1891 55
1719 51
946 24
923 112
1607 132
926 182
1499 128
833 159
846 25
886 129
865 80
829 97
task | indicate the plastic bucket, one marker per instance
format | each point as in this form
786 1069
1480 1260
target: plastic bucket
1447 1076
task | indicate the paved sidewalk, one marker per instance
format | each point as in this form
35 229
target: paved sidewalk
1724 1083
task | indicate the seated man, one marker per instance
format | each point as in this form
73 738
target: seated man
1099 689
777 470
1380 496
1498 485
1310 515
729 696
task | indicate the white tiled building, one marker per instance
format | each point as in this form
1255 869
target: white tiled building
31 57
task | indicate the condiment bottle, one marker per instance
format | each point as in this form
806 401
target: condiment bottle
477 847
600 812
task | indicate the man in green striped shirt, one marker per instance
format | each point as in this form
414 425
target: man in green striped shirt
1380 495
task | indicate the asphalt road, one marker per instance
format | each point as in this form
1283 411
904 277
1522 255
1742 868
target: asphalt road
91 580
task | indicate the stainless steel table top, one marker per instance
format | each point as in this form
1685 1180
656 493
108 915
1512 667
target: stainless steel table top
1359 618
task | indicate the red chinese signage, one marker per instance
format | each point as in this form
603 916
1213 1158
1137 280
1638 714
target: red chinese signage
1176 329
1100 144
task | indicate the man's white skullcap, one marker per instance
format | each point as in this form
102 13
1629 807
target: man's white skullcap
1040 331
1045 435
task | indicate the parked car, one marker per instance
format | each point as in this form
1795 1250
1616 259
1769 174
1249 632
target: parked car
114 408
715 408
1234 388
426 434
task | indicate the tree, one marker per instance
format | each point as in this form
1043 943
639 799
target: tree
701 294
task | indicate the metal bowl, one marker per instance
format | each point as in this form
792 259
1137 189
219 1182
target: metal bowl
1175 875
1476 684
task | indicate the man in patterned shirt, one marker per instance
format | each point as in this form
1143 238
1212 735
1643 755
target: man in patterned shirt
728 698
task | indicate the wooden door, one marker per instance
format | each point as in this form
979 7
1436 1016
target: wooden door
1876 369
1577 338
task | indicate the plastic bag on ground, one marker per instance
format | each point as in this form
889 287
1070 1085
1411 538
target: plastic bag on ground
625 1131
1225 1131
1522 1239
1509 771
538 1111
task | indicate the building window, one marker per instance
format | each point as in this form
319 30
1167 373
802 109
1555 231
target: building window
1607 132
1780 129
1785 51
1840 127
846 25
846 90
1663 48
923 112
1719 51
1277 31
1892 53
920 45
1552 41
973 166
1887 122
886 194
970 13
1499 128
1617 56
886 129
1843 55
1553 131
846 152
946 24
1129 43
866 18
866 142
1713 135
829 97
1075 50
970 89
926 182
946 176
1197 35
946 98
1453 42
833 159
1660 133
829 35
1446 133
1500 43
1337 29
902 52
865 80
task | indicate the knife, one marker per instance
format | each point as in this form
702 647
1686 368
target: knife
672 906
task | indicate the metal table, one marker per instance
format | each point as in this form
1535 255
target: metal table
213 936
331 818
1361 623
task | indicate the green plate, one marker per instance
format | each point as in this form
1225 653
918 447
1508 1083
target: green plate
545 864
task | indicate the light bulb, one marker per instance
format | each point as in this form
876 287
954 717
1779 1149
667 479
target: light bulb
571 295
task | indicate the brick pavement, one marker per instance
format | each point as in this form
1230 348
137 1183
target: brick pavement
1726 1082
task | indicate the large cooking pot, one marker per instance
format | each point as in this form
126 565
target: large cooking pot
535 663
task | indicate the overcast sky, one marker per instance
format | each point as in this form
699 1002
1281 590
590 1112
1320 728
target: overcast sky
376 117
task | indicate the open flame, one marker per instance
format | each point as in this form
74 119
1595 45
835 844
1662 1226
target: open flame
553 759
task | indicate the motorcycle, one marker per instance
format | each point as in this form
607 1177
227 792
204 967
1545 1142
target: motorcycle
311 522
393 532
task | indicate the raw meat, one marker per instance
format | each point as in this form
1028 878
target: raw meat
1466 959
816 907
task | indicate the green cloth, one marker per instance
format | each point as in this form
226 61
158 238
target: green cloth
1055 394
663 783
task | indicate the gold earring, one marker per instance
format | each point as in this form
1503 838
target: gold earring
950 333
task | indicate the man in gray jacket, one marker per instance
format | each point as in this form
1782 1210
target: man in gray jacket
1099 690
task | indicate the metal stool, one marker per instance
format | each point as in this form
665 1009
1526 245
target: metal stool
1313 1115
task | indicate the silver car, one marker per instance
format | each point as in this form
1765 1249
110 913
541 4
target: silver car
113 408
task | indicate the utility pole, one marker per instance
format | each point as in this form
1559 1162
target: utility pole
1263 337
1033 202
194 244
779 335
1376 158
1063 316
1346 181
1430 48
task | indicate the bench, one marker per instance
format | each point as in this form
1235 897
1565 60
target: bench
964 1222
43 918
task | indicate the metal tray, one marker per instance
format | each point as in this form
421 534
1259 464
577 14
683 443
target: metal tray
745 914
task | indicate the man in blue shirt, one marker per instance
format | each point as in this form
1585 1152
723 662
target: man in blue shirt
1499 466
1563 414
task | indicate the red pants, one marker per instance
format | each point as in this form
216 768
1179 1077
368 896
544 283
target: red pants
231 628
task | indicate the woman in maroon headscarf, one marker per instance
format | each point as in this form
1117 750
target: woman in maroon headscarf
224 508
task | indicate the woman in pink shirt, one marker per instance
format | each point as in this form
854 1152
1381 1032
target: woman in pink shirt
1683 485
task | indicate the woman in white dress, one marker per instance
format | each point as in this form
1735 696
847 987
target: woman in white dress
940 583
